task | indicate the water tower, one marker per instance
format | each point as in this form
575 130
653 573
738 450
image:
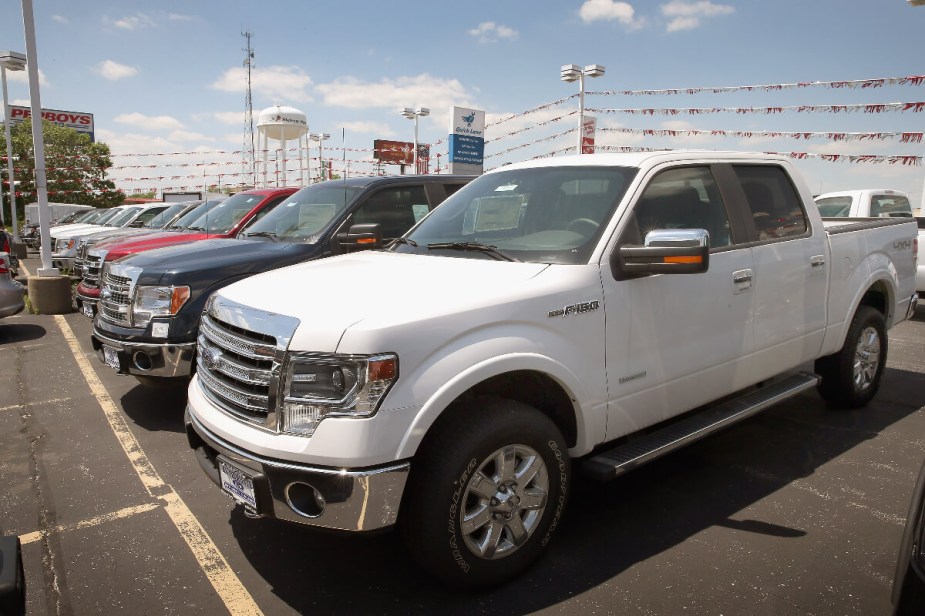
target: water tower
282 124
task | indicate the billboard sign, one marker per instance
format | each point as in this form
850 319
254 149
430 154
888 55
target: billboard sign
78 120
393 152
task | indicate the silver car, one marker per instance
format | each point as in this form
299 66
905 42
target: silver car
11 292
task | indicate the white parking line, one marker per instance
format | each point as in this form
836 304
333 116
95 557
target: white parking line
232 592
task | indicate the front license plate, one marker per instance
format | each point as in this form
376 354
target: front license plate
237 483
111 357
87 310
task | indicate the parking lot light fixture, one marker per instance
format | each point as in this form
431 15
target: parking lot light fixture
10 61
320 138
414 114
572 72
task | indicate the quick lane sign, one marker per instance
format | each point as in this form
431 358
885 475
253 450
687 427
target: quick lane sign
467 136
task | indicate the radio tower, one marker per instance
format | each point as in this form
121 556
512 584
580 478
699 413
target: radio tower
248 172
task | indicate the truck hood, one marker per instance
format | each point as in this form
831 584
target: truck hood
66 234
120 247
222 256
328 296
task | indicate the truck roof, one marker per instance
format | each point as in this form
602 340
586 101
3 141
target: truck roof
861 191
638 159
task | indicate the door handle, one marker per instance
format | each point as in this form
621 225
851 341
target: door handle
741 281
817 261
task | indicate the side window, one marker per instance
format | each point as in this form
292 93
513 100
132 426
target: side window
396 210
683 198
774 204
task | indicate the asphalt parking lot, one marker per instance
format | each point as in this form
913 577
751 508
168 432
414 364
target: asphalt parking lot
796 511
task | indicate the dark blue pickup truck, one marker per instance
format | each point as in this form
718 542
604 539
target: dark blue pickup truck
150 302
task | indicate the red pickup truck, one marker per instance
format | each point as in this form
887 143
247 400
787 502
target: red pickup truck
224 220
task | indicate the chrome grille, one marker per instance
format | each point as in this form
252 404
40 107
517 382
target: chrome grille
236 368
115 299
239 359
92 265
81 259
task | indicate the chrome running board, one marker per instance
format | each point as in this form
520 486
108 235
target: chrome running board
612 463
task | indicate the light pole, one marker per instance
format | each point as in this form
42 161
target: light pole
414 114
573 72
320 138
13 61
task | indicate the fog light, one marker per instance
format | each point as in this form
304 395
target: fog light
301 418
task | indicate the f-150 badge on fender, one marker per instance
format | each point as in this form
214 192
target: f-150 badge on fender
574 309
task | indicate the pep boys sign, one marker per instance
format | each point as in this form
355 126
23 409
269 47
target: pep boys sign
78 120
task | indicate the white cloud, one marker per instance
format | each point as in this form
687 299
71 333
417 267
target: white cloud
23 77
422 90
186 136
149 122
61 19
685 15
114 71
229 117
178 17
351 129
608 10
489 32
276 84
132 22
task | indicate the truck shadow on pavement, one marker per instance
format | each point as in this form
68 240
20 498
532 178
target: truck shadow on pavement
12 332
156 410
608 528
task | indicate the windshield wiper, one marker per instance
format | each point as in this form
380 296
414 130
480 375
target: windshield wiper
404 240
474 247
268 234
195 229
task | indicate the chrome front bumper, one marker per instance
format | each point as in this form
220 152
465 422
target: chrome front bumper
338 499
164 360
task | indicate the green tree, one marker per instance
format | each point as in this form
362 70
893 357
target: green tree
75 167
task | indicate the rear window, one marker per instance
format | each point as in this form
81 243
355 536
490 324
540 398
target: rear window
834 207
890 206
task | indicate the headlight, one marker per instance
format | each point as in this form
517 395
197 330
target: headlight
62 244
157 302
319 386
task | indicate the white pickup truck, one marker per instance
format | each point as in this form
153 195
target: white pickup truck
867 203
590 311
873 203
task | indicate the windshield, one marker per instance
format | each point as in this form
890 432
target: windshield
190 217
164 217
306 213
125 217
539 215
89 216
107 216
834 207
225 215
71 217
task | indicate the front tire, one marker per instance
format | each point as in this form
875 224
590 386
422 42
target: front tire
851 377
486 493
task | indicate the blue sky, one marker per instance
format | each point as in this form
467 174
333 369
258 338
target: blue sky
166 77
